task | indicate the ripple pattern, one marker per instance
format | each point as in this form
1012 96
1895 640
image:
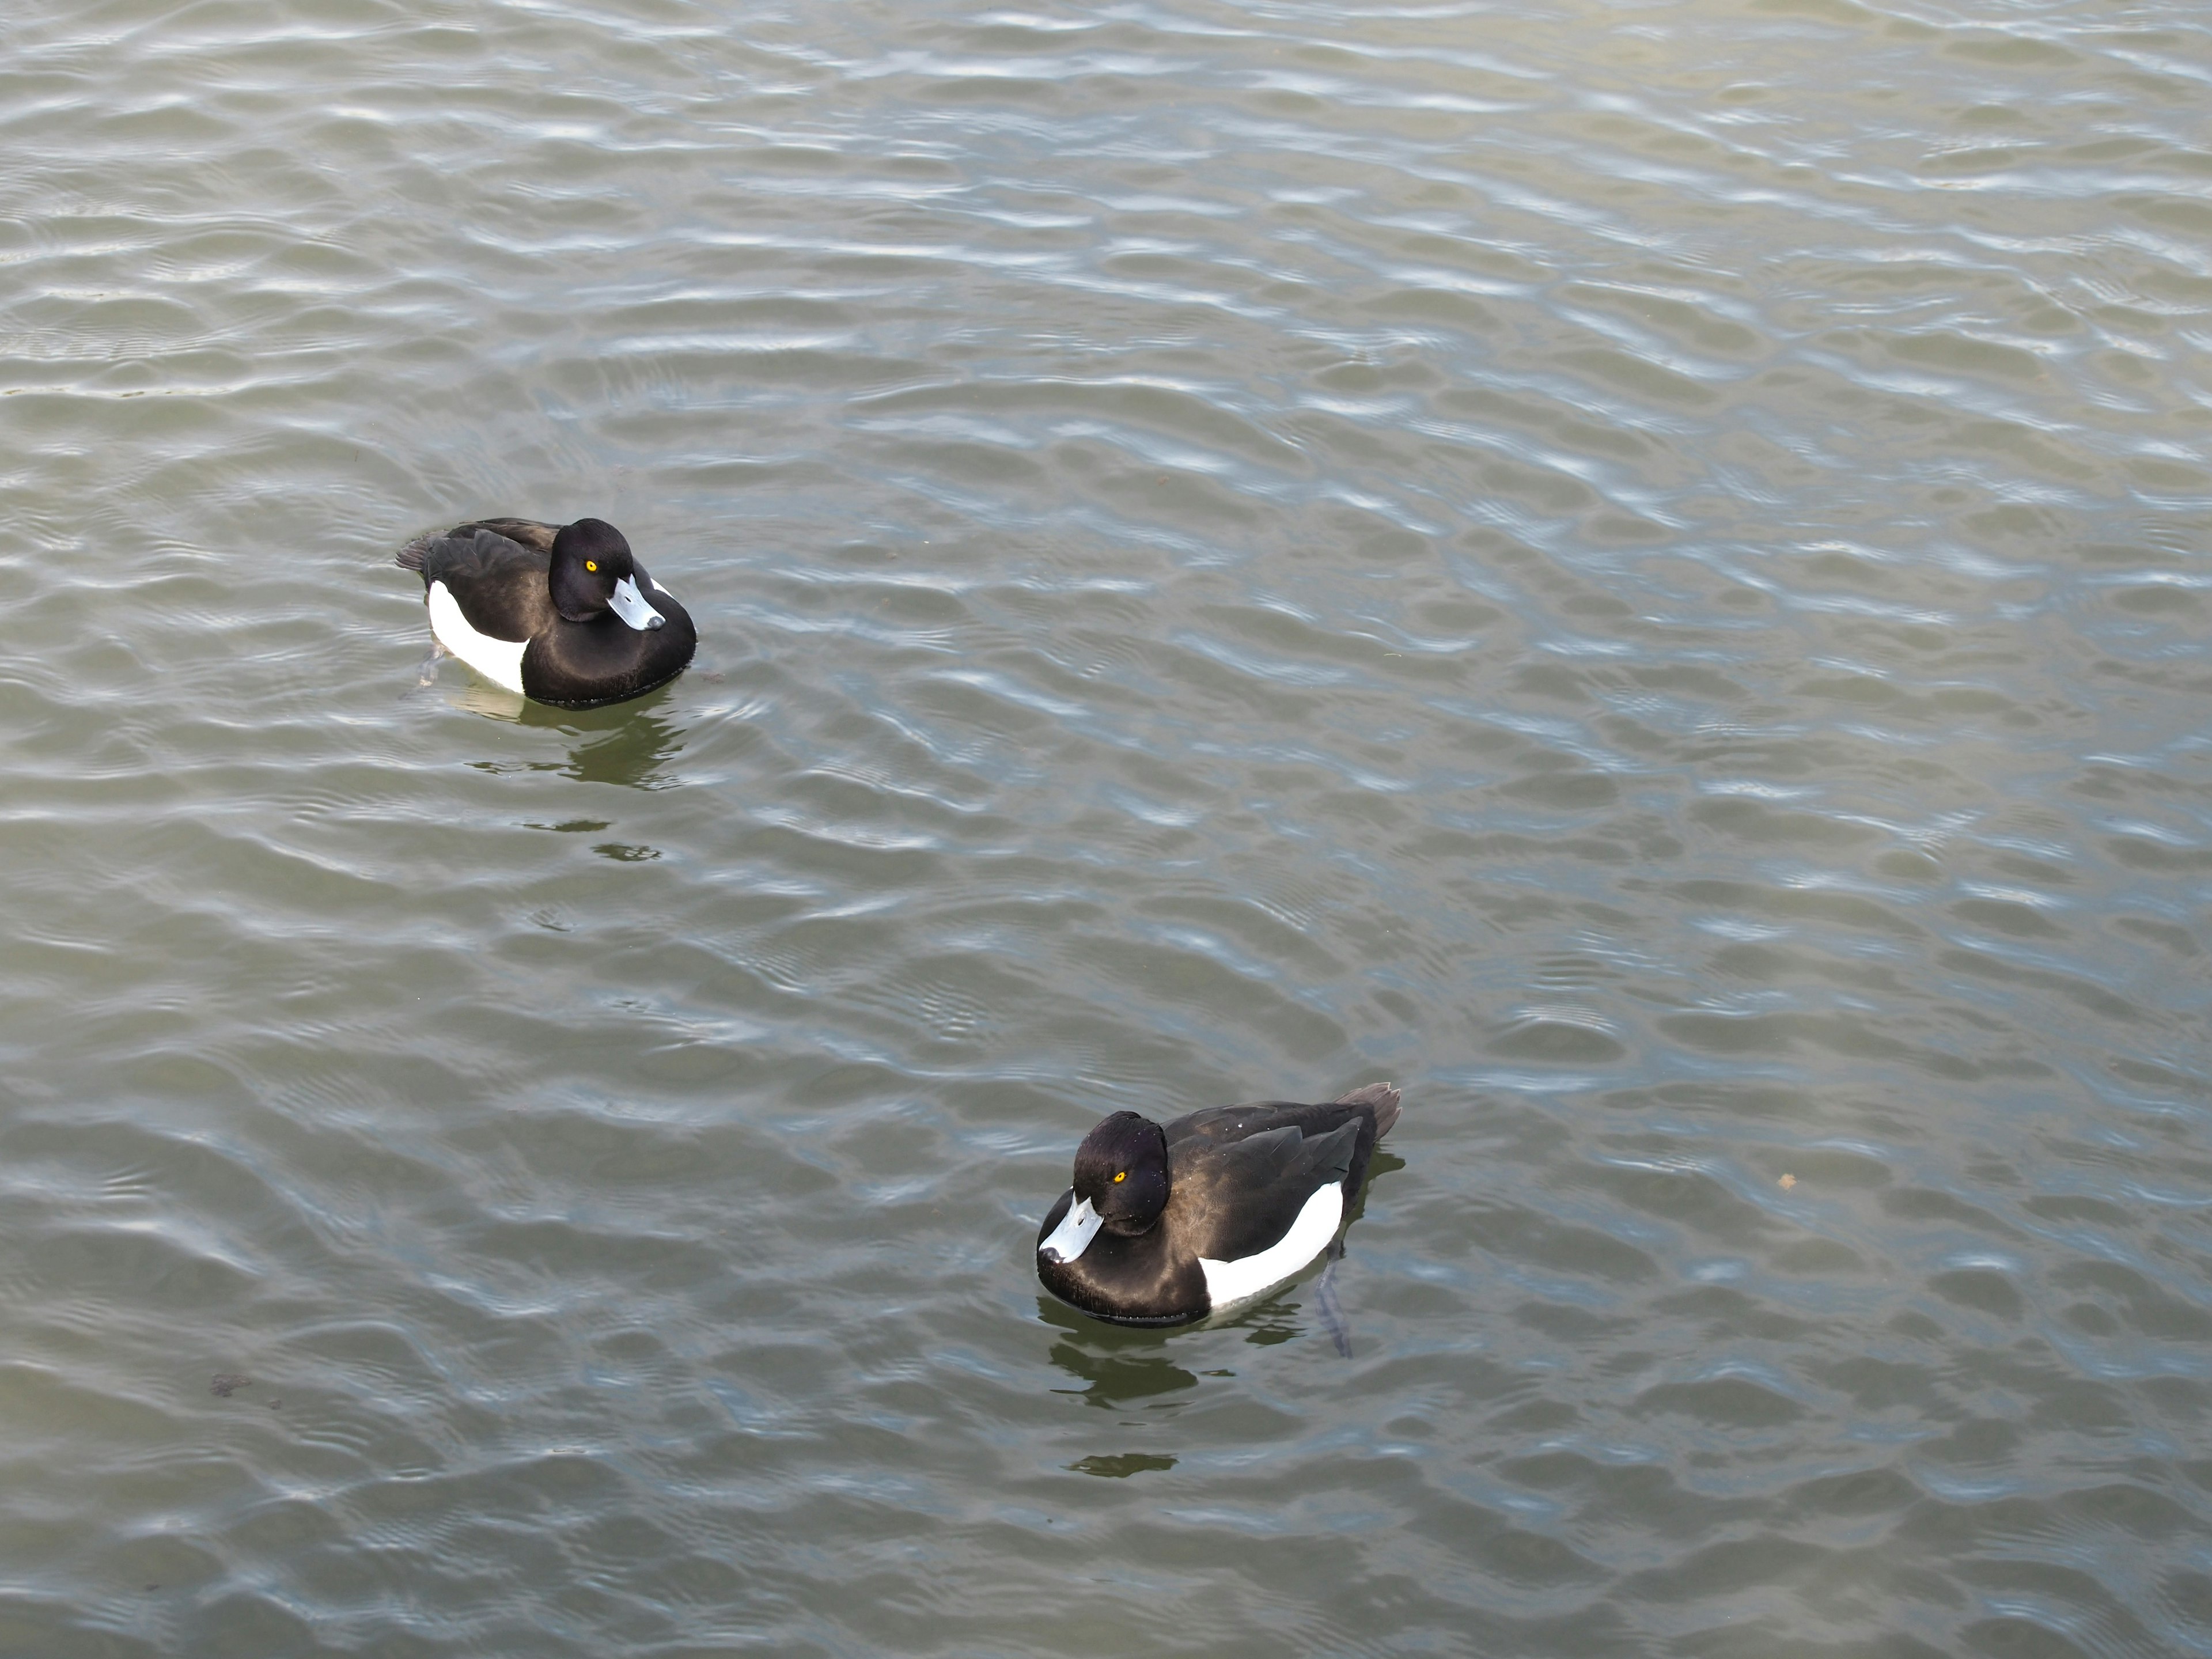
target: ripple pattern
1638 570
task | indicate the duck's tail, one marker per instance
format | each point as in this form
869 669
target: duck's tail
410 557
1383 1097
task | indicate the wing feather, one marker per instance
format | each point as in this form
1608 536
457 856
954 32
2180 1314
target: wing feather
1240 1197
499 584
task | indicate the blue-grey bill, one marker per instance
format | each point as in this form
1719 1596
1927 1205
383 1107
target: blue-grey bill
1073 1237
632 606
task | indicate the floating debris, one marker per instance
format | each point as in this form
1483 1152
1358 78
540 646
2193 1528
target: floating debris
227 1383
1787 1182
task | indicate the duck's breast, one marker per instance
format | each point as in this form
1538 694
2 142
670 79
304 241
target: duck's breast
1143 1280
578 665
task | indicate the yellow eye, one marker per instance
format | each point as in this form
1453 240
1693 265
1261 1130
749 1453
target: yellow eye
590 564
1124 1176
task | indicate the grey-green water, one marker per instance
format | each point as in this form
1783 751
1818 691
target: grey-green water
1639 570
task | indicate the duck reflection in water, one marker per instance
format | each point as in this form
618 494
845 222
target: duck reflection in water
1116 1367
632 745
1119 1367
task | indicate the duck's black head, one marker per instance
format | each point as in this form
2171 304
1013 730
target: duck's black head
593 573
1122 1168
1121 1187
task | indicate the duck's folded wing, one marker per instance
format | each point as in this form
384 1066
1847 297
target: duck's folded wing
525 532
499 584
1248 1193
1224 1124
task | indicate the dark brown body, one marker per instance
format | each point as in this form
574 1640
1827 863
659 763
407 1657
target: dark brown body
495 569
1238 1178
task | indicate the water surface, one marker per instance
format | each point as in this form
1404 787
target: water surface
1639 569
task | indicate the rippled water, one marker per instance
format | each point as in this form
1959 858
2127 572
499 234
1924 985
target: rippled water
1639 570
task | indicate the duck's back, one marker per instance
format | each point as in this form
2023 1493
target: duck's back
524 532
1221 1126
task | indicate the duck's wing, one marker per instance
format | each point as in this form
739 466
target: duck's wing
1222 1125
498 582
525 532
1238 1198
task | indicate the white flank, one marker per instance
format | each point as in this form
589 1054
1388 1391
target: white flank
1236 1281
499 661
1073 1237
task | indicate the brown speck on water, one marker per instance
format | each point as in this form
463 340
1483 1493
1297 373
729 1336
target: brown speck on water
1787 1182
227 1383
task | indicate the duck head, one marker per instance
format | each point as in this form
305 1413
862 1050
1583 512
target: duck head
1121 1185
593 573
